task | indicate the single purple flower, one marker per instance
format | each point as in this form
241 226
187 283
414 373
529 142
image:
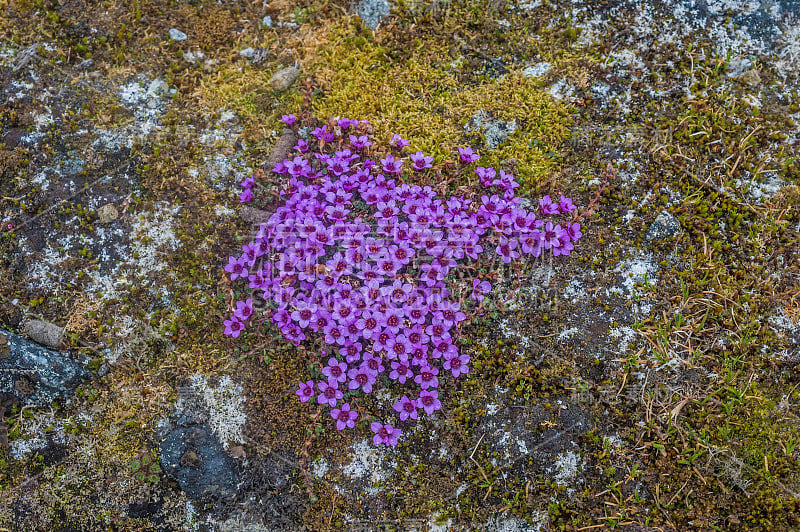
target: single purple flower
329 393
373 363
429 401
335 371
236 268
246 196
457 365
391 165
345 418
385 434
361 377
420 161
289 119
360 142
547 207
479 288
551 235
305 391
574 231
400 371
426 378
406 408
233 327
244 309
565 205
399 142
302 146
467 156
345 123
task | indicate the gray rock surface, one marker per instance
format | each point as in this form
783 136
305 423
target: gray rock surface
194 457
372 11
664 226
34 374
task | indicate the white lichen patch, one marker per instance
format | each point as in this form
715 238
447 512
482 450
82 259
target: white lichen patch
623 336
566 468
537 523
225 405
320 467
637 270
371 464
148 100
153 235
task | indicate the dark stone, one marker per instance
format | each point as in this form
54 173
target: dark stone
664 226
196 460
36 375
144 509
759 24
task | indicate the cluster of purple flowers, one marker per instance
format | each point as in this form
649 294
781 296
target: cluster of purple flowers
362 260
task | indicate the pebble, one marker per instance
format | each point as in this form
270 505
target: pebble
44 333
177 35
247 52
664 226
284 78
107 213
267 21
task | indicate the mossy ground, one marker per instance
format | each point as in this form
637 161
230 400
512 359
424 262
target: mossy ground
692 424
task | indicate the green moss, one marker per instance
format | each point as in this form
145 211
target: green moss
427 104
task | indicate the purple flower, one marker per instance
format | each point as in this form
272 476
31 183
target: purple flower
457 365
233 327
547 207
345 418
236 268
507 249
479 288
426 377
305 391
373 364
302 146
329 393
406 408
345 123
335 371
360 143
551 235
385 434
361 377
400 371
565 205
429 401
574 231
420 161
486 175
467 156
399 142
246 196
391 165
289 119
351 352
244 309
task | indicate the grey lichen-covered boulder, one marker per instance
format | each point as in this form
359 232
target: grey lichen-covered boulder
284 78
193 456
34 374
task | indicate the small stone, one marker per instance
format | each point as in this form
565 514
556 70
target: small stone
372 11
252 215
177 35
267 21
282 146
107 213
44 333
284 78
237 452
537 70
247 52
664 226
751 78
